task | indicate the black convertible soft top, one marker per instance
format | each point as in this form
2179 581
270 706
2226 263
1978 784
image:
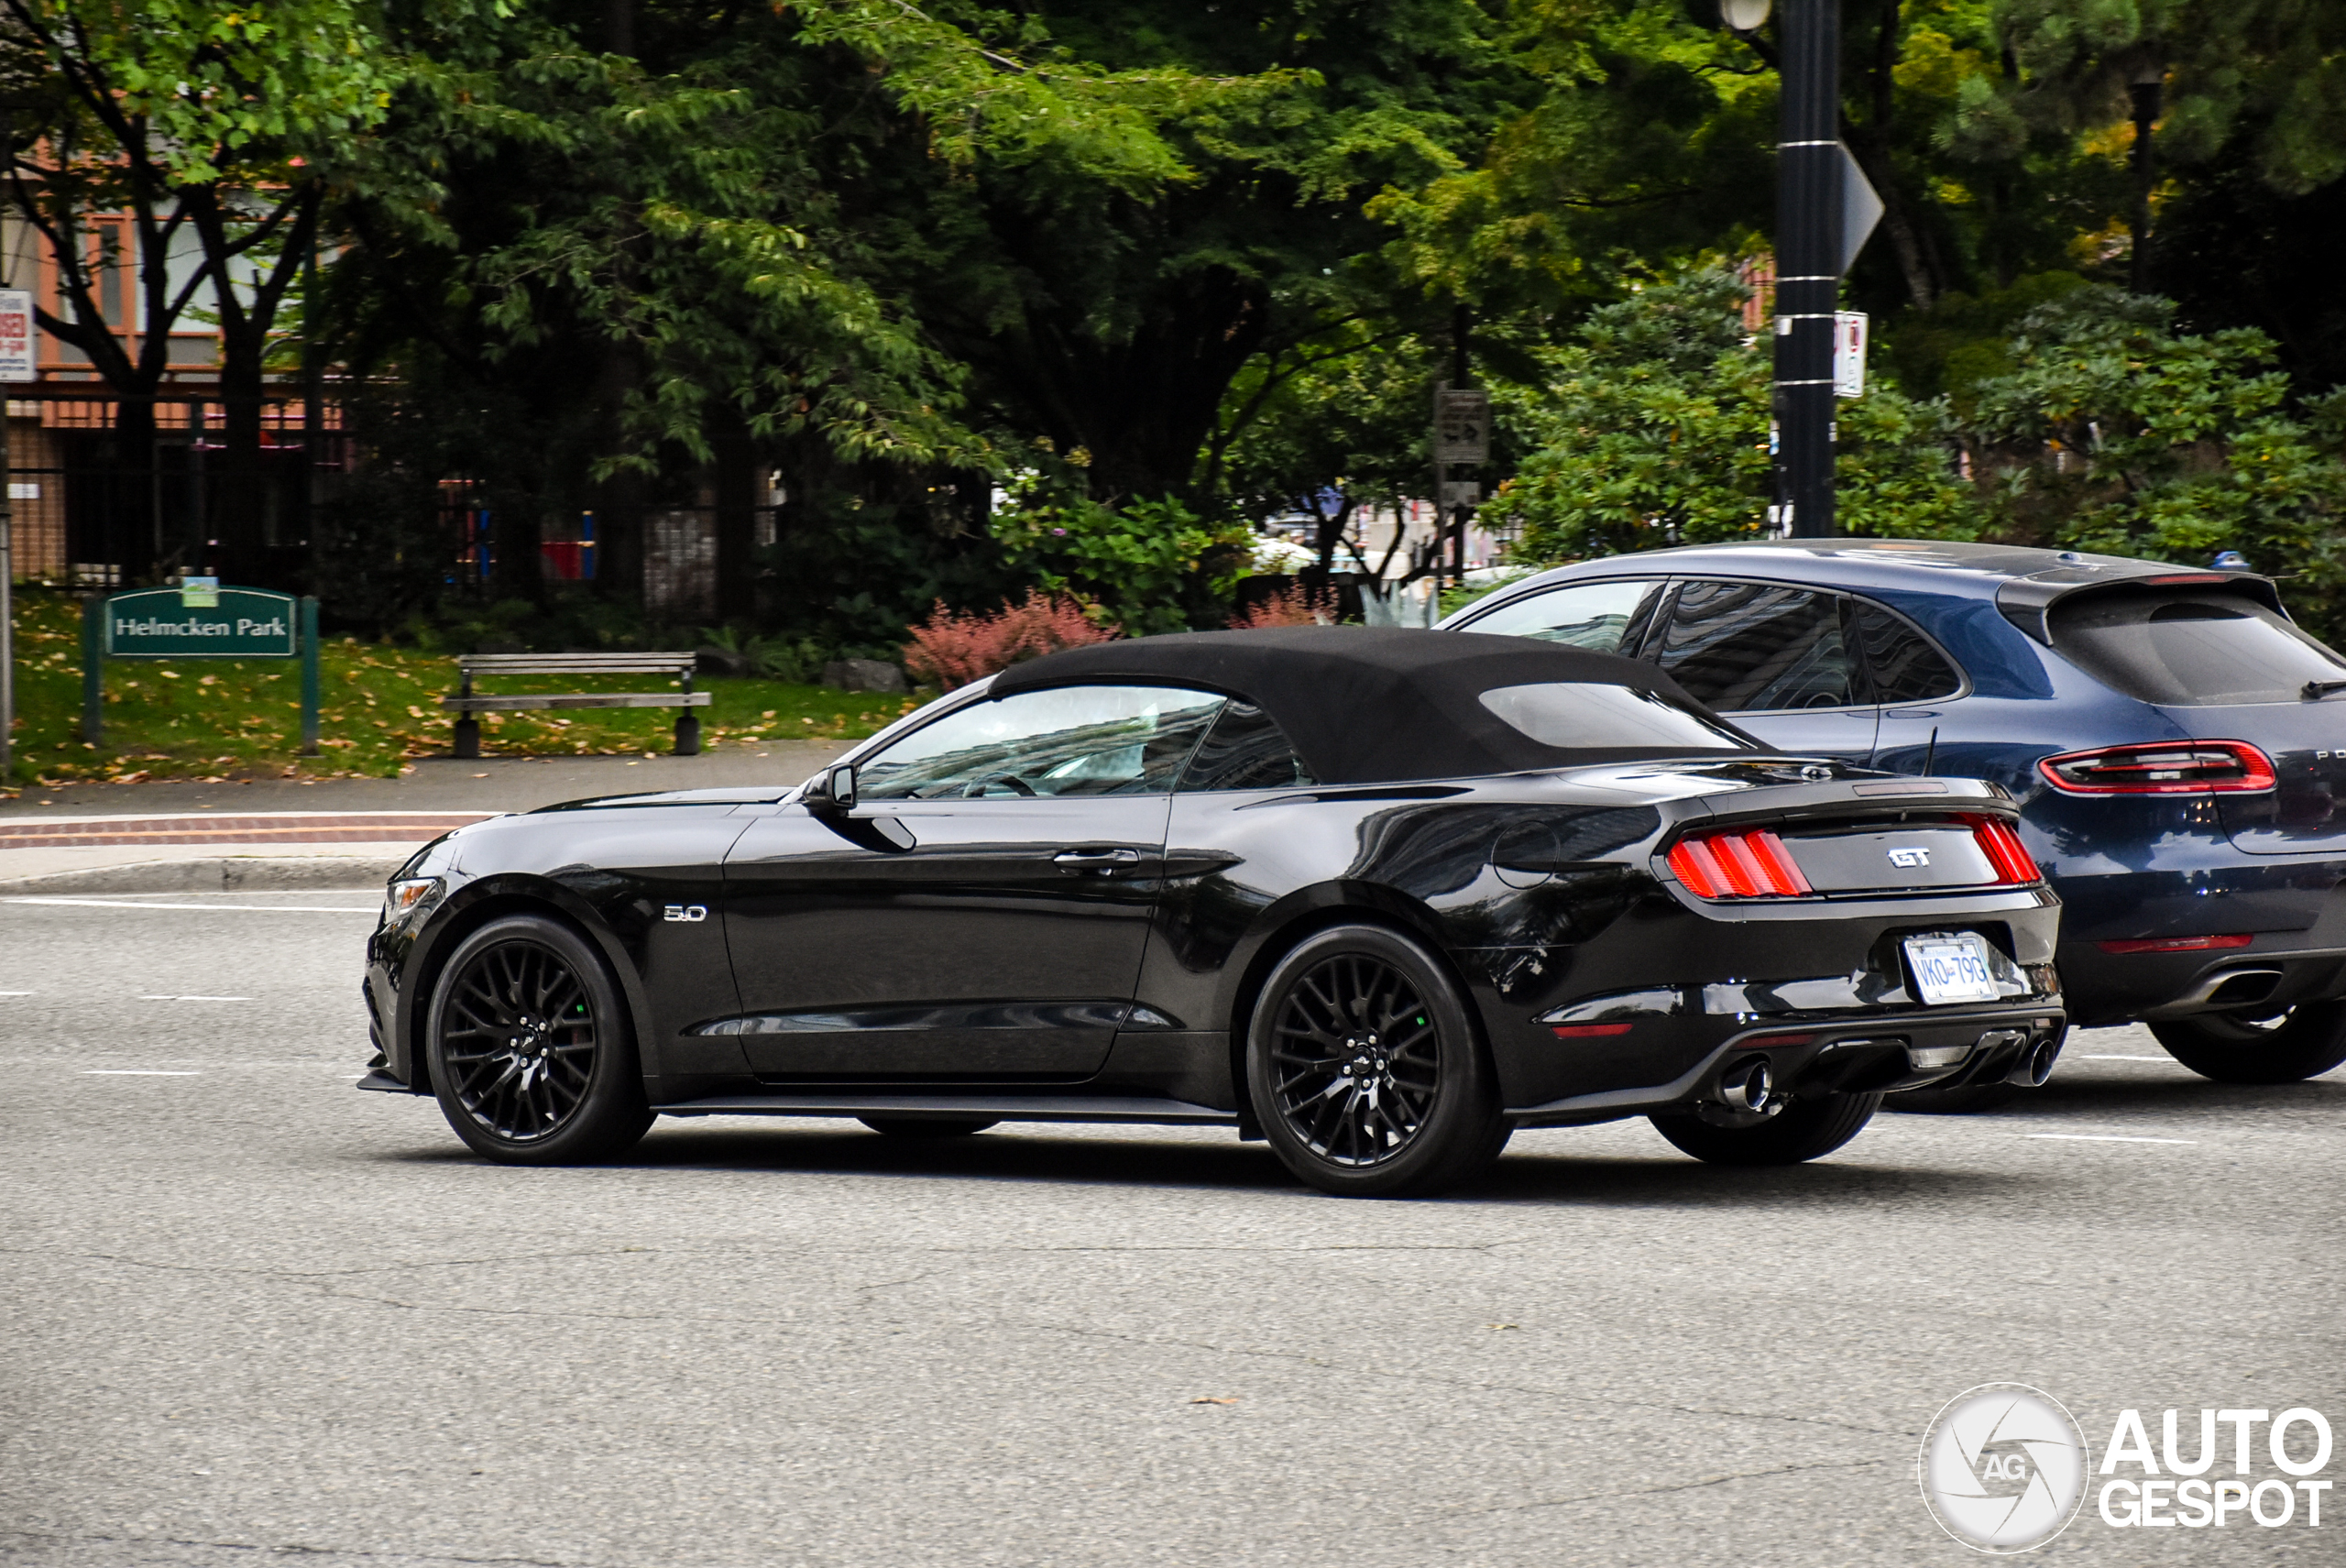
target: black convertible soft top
1374 705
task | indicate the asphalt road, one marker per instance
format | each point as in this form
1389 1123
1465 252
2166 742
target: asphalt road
253 1317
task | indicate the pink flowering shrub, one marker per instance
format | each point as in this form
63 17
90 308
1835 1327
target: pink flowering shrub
952 648
1291 606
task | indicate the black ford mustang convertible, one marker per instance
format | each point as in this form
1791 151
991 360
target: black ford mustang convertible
1377 896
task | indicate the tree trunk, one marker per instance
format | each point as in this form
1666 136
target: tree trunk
235 500
134 520
737 517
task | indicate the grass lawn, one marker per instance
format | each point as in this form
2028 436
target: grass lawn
379 706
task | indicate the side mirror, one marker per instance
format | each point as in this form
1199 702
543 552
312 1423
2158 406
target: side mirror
836 787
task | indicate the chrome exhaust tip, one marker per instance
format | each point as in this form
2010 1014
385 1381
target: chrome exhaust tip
2035 1063
1751 1088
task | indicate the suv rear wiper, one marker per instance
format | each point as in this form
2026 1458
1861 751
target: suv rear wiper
2314 691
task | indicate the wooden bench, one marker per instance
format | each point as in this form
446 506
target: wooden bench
471 665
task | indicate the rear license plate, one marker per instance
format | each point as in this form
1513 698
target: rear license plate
1951 969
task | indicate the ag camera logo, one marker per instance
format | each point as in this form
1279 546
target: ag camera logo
2004 1468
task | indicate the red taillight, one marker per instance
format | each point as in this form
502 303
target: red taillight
2161 767
1583 1031
2004 850
1750 865
2174 944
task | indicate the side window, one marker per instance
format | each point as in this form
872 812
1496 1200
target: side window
1060 741
1905 665
1609 617
1752 648
1245 750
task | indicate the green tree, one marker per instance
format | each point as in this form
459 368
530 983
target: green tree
2116 432
1650 428
206 126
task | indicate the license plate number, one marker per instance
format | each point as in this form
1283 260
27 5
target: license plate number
1951 969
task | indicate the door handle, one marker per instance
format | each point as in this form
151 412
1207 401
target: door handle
1095 859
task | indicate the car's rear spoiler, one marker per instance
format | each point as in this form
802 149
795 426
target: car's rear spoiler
2027 602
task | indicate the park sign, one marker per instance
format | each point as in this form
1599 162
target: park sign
198 619
204 622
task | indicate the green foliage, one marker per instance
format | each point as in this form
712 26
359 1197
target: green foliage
2116 432
1651 428
1151 566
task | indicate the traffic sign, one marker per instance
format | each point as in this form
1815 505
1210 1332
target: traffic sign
1861 208
1461 424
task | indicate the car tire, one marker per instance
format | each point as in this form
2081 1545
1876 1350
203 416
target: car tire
2304 1042
1803 1130
530 1048
1366 1069
1961 1100
917 1127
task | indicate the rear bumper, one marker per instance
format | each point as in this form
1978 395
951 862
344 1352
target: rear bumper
2292 910
2277 970
1908 1050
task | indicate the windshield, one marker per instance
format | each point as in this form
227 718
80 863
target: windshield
2191 650
1587 716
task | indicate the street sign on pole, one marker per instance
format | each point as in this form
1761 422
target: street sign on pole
1861 209
1849 354
1456 493
16 364
1461 424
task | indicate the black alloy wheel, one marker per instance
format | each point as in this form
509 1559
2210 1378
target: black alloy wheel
1805 1129
530 1049
927 1127
1366 1070
2296 1043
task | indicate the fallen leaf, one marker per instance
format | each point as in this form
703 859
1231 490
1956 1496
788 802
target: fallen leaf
1502 1325
1212 1399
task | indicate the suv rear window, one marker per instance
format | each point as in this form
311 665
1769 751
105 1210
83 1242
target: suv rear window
2191 650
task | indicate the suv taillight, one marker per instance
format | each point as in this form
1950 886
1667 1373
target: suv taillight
2161 767
2004 850
1750 864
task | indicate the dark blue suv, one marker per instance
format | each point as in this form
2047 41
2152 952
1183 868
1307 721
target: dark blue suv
2178 746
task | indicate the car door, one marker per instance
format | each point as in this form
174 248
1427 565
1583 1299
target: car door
1914 683
1780 661
981 912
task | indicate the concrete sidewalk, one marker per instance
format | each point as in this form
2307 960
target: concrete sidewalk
184 837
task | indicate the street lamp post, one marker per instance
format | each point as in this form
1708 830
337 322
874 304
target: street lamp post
1808 264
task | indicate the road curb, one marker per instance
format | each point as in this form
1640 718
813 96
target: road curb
221 873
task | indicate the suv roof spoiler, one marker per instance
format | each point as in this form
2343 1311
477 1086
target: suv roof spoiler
2027 602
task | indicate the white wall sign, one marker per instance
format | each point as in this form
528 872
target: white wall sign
16 335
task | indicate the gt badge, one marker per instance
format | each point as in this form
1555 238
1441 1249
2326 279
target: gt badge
687 912
1905 858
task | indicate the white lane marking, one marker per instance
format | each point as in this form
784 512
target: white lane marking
269 908
136 1073
195 999
16 994
2088 1057
2104 1139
